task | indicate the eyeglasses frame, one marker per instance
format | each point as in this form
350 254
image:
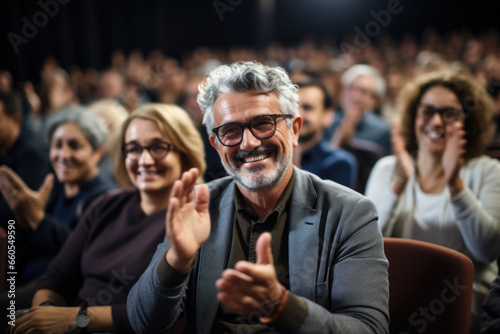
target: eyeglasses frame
440 111
243 126
148 148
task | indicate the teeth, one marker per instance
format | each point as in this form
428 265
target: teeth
256 158
147 173
434 134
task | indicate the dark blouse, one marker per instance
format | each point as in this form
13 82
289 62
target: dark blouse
106 254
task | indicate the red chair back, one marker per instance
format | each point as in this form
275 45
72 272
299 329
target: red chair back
430 288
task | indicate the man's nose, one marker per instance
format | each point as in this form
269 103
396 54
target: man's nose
249 141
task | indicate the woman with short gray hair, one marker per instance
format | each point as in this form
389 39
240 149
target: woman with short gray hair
47 215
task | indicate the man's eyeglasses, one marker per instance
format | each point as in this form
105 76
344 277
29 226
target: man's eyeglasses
262 127
448 114
157 150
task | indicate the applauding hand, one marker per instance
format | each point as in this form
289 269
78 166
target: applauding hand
46 319
453 157
28 205
187 222
252 287
404 167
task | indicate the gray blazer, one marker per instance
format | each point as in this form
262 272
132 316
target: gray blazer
336 264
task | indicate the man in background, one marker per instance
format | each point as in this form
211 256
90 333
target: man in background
314 153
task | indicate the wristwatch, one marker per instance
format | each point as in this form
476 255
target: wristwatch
82 319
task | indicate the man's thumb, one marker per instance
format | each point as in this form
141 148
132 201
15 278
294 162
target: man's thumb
263 249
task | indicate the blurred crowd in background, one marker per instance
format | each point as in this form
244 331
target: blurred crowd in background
135 78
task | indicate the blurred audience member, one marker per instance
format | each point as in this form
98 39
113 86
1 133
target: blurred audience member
428 61
57 92
22 155
494 91
314 154
111 85
363 91
356 127
395 80
113 242
118 61
167 80
85 83
5 81
113 114
45 217
48 215
438 186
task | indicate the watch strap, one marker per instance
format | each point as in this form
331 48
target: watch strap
82 313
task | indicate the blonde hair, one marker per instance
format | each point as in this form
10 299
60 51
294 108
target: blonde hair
476 104
173 122
112 112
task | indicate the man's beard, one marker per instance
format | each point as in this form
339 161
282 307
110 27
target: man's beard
253 180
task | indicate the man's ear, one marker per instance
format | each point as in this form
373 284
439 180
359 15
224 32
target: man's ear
296 126
328 117
212 139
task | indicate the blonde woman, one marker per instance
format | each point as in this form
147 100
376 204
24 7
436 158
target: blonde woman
87 284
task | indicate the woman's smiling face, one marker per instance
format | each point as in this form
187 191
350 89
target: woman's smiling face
431 130
147 174
73 158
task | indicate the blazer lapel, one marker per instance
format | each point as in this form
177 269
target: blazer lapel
213 257
303 237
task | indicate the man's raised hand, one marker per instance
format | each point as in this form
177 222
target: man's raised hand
187 222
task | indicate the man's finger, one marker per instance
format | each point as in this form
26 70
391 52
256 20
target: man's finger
236 276
202 198
188 180
193 174
173 208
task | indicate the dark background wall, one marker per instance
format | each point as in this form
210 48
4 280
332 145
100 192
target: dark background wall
86 32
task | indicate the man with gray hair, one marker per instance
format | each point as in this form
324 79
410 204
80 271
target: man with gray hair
356 127
270 248
363 91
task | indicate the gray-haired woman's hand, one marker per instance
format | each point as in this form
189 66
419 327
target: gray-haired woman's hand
28 205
